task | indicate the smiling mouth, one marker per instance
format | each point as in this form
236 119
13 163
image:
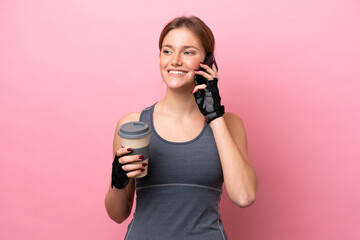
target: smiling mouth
177 72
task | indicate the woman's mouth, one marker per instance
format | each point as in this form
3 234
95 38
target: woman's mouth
177 72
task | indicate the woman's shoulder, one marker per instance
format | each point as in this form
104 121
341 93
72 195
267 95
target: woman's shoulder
237 129
129 117
233 118
133 116
234 122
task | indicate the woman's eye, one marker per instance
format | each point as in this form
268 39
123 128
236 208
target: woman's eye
166 51
189 52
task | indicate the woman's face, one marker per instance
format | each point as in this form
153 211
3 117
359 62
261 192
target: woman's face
181 54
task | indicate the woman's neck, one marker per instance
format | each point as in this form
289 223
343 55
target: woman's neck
178 104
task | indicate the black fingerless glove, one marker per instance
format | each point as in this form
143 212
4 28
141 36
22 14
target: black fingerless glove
208 101
118 175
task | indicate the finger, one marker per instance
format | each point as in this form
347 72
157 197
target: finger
134 166
122 151
209 70
199 87
204 74
130 159
215 70
135 173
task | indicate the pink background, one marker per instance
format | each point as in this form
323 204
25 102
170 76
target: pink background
70 69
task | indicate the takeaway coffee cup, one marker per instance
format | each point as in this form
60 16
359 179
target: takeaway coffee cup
136 135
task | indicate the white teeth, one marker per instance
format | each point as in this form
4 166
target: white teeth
178 72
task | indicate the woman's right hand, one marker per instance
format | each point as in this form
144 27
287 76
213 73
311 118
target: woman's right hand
125 167
131 163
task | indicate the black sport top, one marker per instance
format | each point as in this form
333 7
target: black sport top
179 197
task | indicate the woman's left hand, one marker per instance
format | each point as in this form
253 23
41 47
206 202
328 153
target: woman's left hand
207 95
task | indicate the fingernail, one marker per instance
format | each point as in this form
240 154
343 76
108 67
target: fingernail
144 164
142 170
141 157
129 149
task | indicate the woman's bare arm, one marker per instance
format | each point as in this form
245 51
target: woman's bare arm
119 202
239 177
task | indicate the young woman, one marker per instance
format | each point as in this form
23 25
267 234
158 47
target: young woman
195 147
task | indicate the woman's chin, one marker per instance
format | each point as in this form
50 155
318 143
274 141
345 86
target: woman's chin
179 85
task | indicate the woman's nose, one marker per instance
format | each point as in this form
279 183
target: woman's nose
176 60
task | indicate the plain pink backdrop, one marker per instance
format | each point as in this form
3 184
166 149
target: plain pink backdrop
70 69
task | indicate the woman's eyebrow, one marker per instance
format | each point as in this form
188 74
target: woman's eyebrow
190 47
167 45
186 46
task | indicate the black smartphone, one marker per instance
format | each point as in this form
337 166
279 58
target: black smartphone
209 60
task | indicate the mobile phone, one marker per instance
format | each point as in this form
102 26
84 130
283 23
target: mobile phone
209 60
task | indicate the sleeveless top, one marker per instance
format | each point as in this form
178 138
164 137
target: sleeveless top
179 197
